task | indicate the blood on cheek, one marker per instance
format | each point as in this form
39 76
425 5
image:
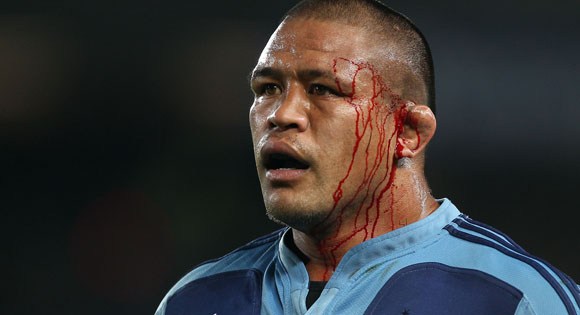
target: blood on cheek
372 153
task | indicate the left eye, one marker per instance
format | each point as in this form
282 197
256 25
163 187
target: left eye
321 90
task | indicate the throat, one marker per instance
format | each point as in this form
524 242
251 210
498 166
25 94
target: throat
316 256
315 263
321 256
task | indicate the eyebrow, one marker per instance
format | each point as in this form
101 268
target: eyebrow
310 74
264 72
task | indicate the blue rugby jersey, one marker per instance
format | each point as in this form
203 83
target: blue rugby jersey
443 264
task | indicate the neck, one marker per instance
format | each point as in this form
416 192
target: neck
408 203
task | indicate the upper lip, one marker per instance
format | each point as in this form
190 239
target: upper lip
272 147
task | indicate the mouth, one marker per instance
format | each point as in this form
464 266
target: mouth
282 162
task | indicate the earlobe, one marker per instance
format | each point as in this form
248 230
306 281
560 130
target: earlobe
418 129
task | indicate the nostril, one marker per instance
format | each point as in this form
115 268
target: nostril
290 126
273 125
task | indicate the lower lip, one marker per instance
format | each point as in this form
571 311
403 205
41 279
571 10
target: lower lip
285 175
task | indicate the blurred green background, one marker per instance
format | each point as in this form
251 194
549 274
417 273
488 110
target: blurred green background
125 152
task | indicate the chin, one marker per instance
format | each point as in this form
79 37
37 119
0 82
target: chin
297 215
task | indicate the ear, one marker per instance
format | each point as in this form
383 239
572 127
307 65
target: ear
418 128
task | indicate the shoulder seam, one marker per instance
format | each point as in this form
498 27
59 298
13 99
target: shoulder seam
494 230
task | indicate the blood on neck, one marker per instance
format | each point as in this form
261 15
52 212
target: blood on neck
374 144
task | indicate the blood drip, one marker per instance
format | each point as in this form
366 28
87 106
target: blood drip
371 118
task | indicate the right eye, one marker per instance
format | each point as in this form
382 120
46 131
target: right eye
269 89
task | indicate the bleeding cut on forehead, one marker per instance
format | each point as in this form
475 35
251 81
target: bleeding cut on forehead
330 131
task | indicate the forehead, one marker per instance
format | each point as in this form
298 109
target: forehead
300 42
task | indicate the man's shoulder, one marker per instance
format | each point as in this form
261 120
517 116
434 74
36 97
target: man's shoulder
241 267
253 255
476 245
250 255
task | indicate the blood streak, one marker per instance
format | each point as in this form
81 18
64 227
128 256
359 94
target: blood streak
372 114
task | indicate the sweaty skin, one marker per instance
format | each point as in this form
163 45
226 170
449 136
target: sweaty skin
326 99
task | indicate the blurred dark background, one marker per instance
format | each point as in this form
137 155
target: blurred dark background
125 153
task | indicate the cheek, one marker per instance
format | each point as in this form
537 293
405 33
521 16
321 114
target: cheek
257 119
335 139
252 115
335 129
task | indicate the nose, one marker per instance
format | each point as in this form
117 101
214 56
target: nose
292 113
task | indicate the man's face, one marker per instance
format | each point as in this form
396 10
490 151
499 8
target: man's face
323 124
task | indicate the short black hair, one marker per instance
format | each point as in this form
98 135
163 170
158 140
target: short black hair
381 19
